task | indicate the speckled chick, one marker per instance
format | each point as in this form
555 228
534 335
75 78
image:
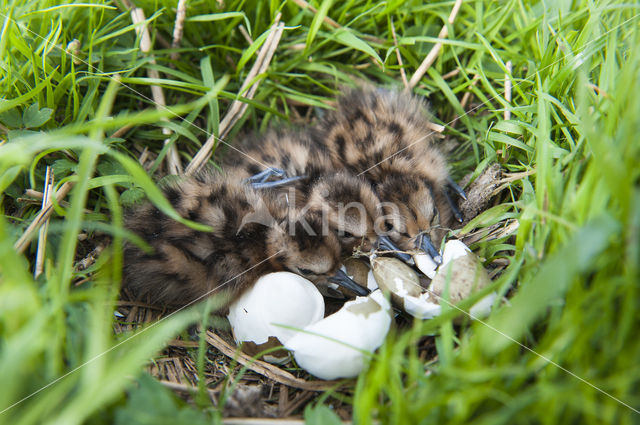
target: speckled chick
253 233
384 136
348 202
293 151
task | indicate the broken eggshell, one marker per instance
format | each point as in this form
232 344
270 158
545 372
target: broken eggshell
467 276
452 249
395 277
360 272
336 346
403 283
425 264
276 299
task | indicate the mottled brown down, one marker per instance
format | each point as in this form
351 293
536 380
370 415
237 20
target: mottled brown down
254 232
384 136
326 191
292 150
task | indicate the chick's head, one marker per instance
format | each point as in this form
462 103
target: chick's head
302 244
350 206
411 207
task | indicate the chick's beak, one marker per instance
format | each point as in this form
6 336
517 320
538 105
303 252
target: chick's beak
346 282
387 244
424 243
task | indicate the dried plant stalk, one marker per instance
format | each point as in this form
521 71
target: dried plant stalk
42 235
435 50
245 34
266 369
507 90
138 18
44 214
237 108
399 56
178 27
303 4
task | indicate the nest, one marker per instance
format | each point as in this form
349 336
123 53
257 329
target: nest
254 388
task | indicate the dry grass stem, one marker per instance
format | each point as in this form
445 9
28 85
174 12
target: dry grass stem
42 235
303 4
138 18
44 214
505 182
435 50
507 90
399 56
268 370
178 27
248 90
121 131
245 34
33 193
298 401
183 344
497 231
283 400
450 74
175 386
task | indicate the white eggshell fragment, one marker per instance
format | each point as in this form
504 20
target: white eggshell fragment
453 249
281 298
336 346
424 306
467 276
372 285
425 264
482 308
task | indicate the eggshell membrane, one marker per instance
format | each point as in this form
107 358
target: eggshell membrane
482 308
336 346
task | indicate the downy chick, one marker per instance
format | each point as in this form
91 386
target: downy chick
283 157
384 136
348 202
253 234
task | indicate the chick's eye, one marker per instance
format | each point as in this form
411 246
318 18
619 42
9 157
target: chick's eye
348 235
305 271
